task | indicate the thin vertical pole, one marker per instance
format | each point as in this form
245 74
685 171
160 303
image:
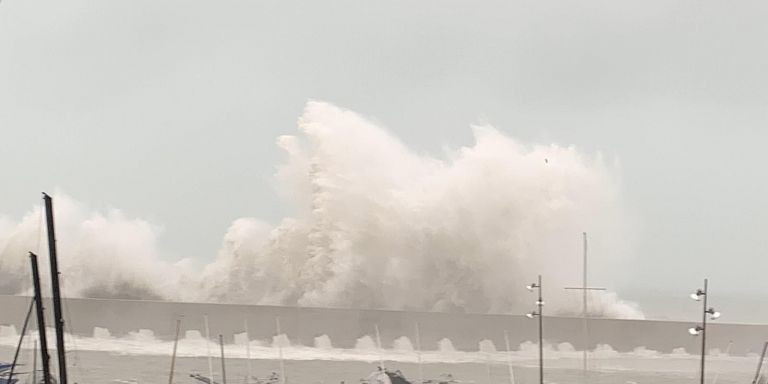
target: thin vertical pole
248 353
760 363
378 345
509 358
223 364
175 345
40 319
488 367
727 351
280 351
208 348
540 304
704 332
418 353
584 312
57 312
34 362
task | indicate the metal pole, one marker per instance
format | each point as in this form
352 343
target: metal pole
540 304
248 353
488 367
280 351
378 345
704 332
727 352
509 359
585 334
760 363
208 348
418 353
34 362
57 312
223 365
40 319
175 345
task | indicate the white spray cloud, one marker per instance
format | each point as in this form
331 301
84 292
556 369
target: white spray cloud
102 255
375 225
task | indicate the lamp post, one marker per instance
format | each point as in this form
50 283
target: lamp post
538 313
701 329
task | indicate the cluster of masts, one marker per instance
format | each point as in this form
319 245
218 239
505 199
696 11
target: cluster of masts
37 304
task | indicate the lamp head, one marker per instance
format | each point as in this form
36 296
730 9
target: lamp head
531 286
695 331
713 314
697 295
531 315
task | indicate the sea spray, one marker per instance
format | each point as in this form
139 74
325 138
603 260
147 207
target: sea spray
374 224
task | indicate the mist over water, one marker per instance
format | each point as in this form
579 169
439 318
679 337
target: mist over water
374 224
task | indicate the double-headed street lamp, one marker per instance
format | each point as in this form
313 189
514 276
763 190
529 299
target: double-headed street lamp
701 329
538 313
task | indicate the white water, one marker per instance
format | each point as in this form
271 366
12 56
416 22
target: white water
375 225
193 344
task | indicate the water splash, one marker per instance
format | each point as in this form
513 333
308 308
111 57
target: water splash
375 225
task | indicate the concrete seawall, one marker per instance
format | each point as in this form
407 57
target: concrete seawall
345 326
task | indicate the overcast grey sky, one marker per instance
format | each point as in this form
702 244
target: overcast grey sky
169 110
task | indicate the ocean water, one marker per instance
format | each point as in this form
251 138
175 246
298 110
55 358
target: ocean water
333 366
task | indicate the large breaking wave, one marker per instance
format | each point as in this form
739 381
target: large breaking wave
374 225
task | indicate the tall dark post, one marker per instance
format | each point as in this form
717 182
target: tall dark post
540 314
540 304
705 311
223 366
760 364
40 319
57 313
175 346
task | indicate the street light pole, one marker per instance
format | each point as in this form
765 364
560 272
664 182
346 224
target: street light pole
540 314
540 304
704 332
702 329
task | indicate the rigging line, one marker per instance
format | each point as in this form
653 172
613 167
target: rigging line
74 351
39 229
21 340
71 339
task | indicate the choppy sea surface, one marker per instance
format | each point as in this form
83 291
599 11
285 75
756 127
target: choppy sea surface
318 366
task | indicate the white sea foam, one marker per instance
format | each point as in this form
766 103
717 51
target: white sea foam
143 342
375 224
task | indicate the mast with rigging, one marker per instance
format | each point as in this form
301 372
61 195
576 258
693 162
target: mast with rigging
57 312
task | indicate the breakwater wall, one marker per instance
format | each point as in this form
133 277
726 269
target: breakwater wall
344 327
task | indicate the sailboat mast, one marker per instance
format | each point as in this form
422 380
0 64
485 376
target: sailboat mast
248 353
175 345
584 313
34 362
378 346
418 353
208 348
280 350
40 319
509 359
57 313
223 365
760 364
